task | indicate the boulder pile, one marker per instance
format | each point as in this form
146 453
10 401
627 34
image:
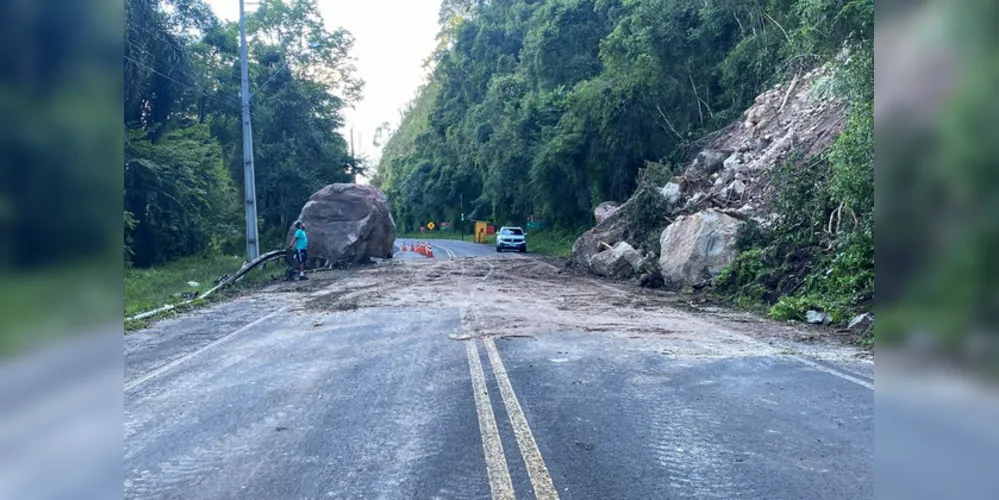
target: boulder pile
725 184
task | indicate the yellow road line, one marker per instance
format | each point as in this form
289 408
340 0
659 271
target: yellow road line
541 480
499 474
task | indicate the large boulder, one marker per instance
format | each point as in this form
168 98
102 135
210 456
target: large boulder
610 231
348 223
698 246
620 261
733 191
708 162
672 193
605 210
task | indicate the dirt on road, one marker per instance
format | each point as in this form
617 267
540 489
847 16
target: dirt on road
514 297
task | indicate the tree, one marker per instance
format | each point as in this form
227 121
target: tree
183 122
549 108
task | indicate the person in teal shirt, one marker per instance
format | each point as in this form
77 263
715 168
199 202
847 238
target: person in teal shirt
301 245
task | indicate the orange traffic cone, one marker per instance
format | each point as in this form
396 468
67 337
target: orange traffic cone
404 247
430 250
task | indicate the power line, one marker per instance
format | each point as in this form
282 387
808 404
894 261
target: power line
169 77
173 41
182 84
276 73
158 35
145 52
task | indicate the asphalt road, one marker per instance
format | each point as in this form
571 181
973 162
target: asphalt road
250 400
446 248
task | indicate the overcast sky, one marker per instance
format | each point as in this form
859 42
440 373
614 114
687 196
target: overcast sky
393 37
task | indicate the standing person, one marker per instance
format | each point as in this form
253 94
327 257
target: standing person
301 244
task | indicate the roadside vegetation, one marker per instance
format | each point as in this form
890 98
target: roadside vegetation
148 289
549 108
556 243
183 168
183 161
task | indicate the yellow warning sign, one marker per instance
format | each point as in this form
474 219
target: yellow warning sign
431 225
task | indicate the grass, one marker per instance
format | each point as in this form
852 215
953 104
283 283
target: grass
545 242
554 243
148 289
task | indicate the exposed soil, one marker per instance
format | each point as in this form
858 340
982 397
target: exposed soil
525 298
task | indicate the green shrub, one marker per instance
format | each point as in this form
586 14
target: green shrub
646 208
741 279
791 308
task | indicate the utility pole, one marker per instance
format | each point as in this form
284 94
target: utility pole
249 180
353 159
461 196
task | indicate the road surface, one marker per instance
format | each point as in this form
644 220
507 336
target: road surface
472 377
445 248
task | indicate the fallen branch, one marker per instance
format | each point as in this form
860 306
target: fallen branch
154 312
734 214
668 122
839 216
790 89
697 98
269 256
832 215
779 26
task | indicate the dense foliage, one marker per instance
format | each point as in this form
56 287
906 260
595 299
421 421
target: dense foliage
547 108
183 124
820 256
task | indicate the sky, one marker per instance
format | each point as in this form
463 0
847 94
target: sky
392 39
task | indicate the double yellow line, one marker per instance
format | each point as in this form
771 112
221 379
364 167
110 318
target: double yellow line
496 465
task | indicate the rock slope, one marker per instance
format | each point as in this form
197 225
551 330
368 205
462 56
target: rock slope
725 183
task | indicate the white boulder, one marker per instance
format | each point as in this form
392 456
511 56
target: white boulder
698 246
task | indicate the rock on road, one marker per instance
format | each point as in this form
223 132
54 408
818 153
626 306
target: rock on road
494 377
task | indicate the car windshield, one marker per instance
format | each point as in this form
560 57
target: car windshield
513 232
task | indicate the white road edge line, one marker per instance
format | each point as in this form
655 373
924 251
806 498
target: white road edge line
800 359
541 479
837 373
163 369
499 473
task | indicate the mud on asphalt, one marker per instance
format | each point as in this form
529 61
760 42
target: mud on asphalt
522 298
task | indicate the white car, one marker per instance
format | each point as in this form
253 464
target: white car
511 237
